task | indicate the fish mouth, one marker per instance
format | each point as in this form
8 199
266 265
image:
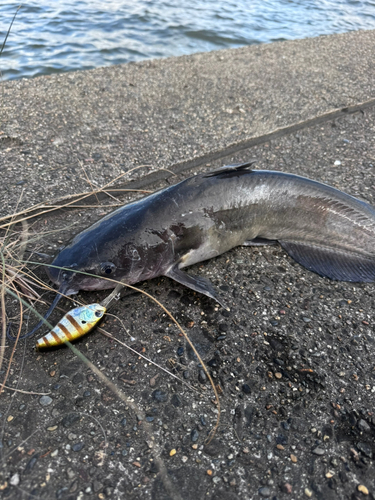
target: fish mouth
61 276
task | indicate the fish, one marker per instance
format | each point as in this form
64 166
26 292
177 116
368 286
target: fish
73 325
322 228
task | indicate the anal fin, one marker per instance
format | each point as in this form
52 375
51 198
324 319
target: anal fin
331 262
196 283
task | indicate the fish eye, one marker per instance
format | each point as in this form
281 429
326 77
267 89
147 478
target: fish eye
98 314
107 267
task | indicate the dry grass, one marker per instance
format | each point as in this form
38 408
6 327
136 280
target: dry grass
21 289
19 282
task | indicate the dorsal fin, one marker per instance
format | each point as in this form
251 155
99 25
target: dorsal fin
232 170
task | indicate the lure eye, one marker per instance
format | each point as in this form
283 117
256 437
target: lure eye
107 267
98 314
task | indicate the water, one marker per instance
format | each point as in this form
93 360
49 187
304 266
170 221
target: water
65 35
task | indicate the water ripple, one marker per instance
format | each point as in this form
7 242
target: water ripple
67 35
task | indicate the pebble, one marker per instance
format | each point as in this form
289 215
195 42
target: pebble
172 452
216 479
213 363
318 451
246 389
15 479
287 488
160 396
334 462
202 377
278 375
363 425
70 473
306 320
265 491
97 486
365 448
74 487
209 472
362 489
176 400
78 446
308 492
293 458
45 400
30 465
70 420
194 435
53 428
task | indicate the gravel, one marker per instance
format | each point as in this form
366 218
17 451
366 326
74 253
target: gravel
297 398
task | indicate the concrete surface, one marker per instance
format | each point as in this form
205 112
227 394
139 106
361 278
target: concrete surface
293 358
162 113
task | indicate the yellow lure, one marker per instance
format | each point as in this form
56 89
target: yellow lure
73 325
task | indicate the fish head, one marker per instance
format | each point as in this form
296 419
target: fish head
122 247
74 275
82 266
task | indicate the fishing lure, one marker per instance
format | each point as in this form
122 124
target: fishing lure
73 325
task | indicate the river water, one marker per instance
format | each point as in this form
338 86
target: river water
54 36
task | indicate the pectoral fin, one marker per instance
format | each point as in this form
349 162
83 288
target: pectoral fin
332 263
197 283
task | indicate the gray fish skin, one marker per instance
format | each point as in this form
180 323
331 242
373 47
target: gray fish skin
322 228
